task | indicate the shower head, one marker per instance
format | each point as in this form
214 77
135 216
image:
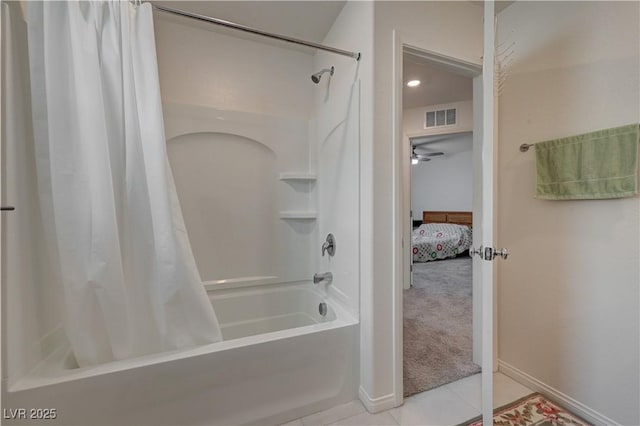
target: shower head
316 77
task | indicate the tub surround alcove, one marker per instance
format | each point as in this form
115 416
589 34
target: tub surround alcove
263 160
228 166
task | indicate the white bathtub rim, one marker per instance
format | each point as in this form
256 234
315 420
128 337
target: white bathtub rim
42 375
326 291
338 301
225 292
241 282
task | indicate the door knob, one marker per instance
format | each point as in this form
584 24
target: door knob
489 253
478 251
503 253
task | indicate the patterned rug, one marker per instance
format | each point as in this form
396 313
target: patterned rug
532 410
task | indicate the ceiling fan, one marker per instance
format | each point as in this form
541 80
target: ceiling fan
415 157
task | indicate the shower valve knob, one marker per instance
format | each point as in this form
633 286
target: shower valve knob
329 246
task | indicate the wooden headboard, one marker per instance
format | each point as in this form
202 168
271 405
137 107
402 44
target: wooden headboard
460 218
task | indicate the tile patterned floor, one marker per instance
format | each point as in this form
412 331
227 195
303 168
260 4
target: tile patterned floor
447 405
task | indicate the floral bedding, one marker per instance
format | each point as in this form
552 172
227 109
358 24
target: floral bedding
433 241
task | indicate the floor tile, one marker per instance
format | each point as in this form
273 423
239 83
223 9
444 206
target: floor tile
506 390
334 414
447 405
440 406
469 389
366 419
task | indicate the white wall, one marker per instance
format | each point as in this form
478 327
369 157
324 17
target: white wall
443 184
237 114
446 182
200 65
450 28
413 119
568 300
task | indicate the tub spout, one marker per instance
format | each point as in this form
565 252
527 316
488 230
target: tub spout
327 277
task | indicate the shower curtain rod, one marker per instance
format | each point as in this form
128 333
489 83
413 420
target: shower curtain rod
354 55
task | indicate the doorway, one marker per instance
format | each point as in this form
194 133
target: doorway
437 126
483 318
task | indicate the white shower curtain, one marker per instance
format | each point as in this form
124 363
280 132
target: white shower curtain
114 226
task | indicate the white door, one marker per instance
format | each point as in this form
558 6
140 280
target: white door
411 213
483 250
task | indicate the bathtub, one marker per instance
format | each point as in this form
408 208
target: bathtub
281 358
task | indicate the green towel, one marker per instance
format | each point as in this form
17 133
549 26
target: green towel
597 165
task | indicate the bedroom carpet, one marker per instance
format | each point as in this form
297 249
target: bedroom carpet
437 325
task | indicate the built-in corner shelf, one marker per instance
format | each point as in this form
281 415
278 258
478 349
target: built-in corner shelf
298 215
302 183
309 177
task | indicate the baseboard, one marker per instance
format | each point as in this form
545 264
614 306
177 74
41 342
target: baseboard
555 395
376 405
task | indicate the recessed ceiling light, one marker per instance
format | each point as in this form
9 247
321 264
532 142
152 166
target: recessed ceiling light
413 83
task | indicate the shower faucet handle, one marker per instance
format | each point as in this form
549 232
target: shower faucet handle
329 246
326 277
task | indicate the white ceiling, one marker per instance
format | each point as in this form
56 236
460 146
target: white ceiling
289 18
438 86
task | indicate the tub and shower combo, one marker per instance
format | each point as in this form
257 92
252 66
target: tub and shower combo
270 202
281 358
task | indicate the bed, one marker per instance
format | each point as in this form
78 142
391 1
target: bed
442 235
